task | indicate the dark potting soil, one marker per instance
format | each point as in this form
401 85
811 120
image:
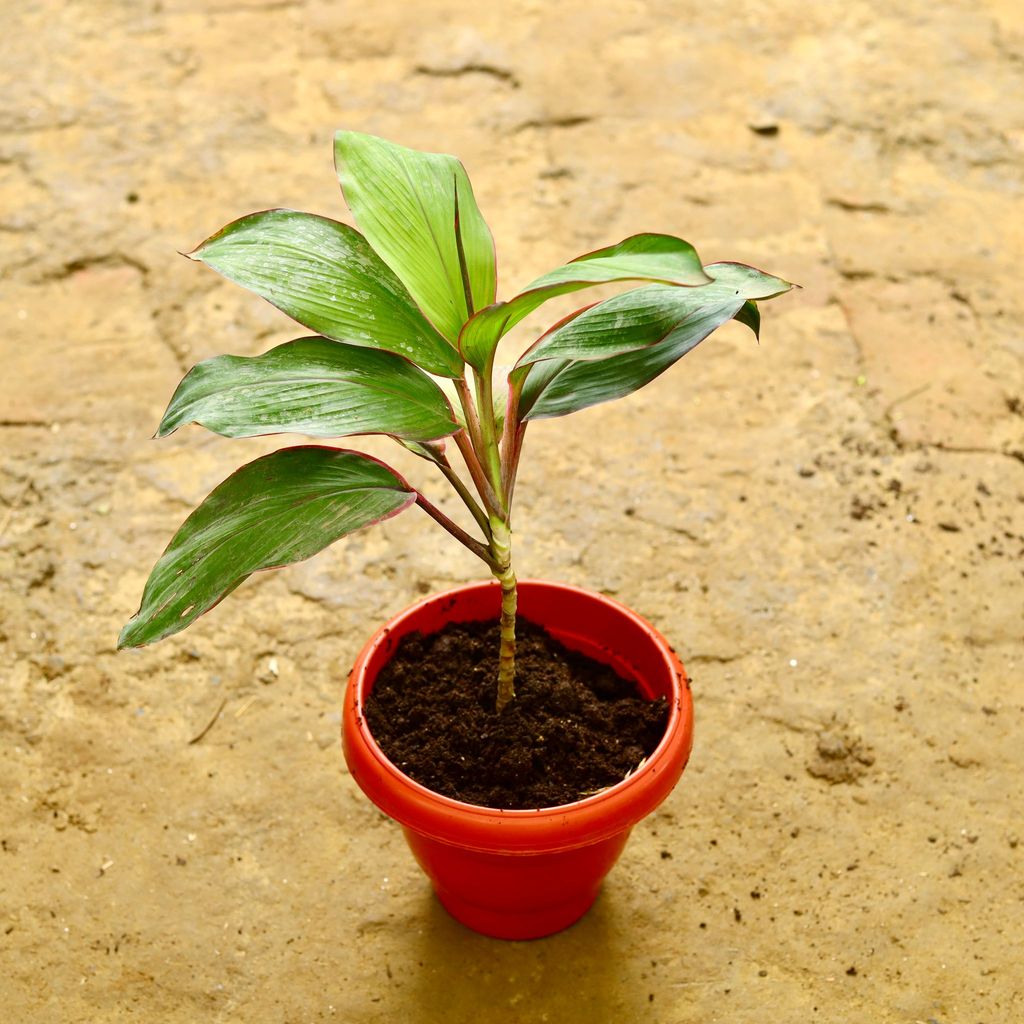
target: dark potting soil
574 727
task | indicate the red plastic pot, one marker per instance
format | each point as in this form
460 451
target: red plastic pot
526 873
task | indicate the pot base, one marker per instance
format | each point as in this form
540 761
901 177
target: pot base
508 924
508 896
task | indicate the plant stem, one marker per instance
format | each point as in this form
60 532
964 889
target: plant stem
465 494
489 431
472 446
511 444
483 485
478 549
501 549
469 410
512 465
483 457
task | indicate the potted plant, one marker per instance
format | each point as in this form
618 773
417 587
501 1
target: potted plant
406 329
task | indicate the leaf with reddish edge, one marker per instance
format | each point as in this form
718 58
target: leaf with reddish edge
480 334
616 347
325 275
279 509
646 257
311 386
418 211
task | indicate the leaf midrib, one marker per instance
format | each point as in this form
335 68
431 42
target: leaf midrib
271 516
430 228
418 402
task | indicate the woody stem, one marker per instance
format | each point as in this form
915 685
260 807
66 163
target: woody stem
501 549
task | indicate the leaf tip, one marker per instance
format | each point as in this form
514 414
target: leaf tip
342 138
125 640
166 426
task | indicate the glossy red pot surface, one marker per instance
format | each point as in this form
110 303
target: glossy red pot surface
526 873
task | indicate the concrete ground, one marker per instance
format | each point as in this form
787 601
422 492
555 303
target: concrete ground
829 526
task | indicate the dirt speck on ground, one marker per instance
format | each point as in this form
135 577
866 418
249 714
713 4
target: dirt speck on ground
829 525
839 756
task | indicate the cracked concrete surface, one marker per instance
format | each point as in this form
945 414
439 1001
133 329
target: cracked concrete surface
829 526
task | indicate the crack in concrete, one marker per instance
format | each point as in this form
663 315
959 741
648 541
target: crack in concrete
715 659
118 258
851 206
547 123
678 530
164 334
887 421
1007 453
501 74
256 8
107 259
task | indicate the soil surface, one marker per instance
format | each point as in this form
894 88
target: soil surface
827 526
574 727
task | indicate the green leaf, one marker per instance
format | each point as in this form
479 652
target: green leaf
647 257
616 347
280 509
750 316
451 392
482 332
325 275
432 451
418 212
311 386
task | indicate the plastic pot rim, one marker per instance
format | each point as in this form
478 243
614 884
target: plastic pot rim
541 830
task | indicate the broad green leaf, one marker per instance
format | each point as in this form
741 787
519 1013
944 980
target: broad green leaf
280 509
325 275
418 212
558 387
618 346
645 316
647 257
311 386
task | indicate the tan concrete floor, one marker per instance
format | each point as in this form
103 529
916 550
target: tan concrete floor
829 526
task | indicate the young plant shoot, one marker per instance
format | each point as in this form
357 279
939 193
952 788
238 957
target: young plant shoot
404 315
